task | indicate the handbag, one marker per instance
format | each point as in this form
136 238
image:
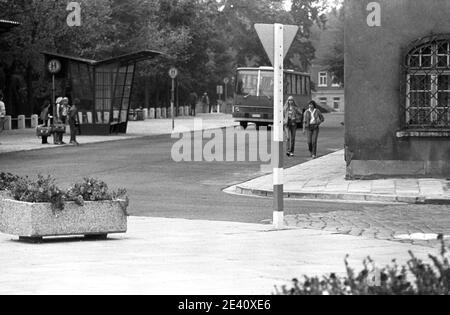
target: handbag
43 131
59 128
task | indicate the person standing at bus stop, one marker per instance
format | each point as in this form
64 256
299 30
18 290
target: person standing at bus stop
292 116
313 118
206 103
193 98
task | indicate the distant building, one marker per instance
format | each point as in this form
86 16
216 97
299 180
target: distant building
397 84
328 93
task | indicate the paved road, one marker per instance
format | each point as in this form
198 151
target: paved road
160 187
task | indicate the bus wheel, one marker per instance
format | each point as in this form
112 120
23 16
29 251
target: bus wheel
244 124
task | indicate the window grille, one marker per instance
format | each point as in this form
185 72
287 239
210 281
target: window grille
428 83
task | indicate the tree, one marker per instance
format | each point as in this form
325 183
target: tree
330 51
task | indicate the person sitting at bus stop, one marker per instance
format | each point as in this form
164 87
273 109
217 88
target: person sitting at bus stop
312 120
292 116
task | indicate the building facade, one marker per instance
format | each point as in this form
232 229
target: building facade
327 92
397 75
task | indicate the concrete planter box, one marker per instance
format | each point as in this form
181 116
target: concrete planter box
33 221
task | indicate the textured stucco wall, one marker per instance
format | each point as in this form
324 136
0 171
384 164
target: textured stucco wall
373 58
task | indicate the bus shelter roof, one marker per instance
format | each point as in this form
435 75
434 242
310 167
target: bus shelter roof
123 59
6 25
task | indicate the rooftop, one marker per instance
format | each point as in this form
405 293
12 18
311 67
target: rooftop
123 59
6 25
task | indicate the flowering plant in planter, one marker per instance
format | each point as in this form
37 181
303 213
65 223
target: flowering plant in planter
95 190
34 209
43 190
6 180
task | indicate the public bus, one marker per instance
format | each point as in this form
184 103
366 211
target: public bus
253 101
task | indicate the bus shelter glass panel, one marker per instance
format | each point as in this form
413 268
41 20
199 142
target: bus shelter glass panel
104 84
81 77
118 94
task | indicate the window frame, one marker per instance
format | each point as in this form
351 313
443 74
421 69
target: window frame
423 108
323 77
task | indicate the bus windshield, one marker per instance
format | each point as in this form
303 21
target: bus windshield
255 83
247 82
266 84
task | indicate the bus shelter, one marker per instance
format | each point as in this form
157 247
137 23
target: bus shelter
103 87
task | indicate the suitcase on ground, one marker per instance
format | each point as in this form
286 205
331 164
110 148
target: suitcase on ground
43 131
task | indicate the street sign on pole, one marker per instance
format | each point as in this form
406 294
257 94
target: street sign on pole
173 73
54 67
266 35
277 39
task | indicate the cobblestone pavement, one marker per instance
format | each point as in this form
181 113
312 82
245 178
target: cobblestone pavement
380 223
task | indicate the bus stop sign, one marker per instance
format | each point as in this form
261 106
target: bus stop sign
266 35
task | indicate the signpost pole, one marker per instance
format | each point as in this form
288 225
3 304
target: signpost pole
53 95
173 73
172 103
278 134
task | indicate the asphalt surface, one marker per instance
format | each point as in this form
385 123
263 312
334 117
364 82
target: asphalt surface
160 187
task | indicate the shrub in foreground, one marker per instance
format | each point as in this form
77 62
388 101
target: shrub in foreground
416 278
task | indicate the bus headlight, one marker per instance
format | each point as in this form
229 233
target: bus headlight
236 109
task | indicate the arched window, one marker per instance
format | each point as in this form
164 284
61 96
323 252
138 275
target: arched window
428 83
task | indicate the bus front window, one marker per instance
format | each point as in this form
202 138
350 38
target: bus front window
247 83
266 85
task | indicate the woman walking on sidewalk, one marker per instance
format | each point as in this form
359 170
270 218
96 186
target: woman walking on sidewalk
292 116
312 120
73 121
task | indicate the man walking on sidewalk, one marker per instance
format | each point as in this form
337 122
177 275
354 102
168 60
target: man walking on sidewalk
312 120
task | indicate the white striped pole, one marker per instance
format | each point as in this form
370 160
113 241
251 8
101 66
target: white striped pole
278 138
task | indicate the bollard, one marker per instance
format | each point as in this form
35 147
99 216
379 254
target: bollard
145 113
152 113
7 125
158 113
34 121
21 122
164 113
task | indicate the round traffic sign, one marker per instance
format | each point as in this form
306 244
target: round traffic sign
173 73
54 66
226 80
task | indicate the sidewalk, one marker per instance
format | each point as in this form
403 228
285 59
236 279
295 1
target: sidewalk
25 139
183 257
324 179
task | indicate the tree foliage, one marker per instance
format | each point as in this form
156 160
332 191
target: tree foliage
205 39
330 51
